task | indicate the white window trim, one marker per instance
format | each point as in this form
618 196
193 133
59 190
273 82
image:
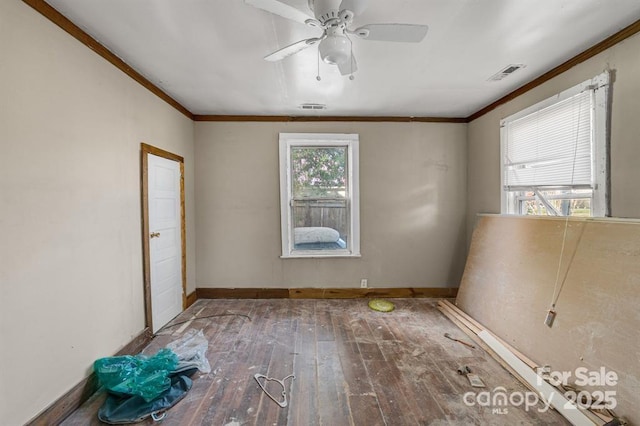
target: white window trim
600 206
351 141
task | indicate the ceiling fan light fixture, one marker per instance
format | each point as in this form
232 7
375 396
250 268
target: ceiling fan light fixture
335 49
334 18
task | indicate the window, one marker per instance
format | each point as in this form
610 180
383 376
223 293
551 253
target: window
555 154
319 202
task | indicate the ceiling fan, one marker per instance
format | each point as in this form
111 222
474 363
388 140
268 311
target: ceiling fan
334 17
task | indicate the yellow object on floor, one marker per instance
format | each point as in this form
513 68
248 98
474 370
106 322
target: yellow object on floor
381 305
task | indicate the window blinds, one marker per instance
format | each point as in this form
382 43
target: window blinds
552 146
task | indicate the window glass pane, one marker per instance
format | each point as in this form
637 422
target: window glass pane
320 213
555 202
319 172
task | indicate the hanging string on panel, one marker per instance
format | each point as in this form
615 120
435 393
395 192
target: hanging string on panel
559 285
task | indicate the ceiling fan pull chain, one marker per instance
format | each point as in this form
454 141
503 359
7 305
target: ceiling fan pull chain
318 76
351 77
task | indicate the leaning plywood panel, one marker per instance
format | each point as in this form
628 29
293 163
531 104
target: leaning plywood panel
515 271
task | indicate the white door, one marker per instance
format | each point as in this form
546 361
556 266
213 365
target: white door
165 244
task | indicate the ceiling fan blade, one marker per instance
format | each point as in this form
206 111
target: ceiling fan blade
280 9
291 49
348 67
356 6
393 32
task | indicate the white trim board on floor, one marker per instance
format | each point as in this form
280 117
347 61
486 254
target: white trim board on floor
550 394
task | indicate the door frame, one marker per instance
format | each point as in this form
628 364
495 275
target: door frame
145 150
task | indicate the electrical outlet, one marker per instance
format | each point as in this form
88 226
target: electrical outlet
363 283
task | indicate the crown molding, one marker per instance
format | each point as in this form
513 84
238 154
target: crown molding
316 118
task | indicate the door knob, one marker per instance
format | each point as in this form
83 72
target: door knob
155 234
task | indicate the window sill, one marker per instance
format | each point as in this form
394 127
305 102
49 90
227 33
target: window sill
308 255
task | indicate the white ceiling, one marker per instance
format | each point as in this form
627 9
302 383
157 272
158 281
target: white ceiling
207 54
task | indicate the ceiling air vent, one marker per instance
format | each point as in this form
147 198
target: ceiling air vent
315 107
508 70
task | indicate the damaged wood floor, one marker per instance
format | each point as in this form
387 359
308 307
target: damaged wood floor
352 366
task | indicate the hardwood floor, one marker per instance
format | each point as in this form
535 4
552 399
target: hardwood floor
352 366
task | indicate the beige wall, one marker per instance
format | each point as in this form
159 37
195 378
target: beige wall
412 201
484 133
70 259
